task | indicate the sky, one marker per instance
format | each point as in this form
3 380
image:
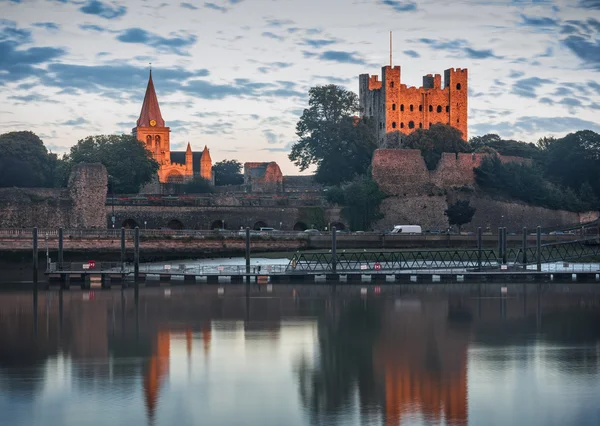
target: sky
234 74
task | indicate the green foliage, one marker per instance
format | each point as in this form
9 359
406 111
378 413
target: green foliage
527 183
128 163
228 172
331 138
504 147
198 185
361 199
25 161
313 217
434 141
460 213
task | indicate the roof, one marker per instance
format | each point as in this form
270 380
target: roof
150 108
179 157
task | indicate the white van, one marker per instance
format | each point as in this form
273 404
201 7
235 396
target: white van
406 229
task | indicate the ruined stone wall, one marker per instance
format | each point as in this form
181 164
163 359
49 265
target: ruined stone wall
80 205
263 177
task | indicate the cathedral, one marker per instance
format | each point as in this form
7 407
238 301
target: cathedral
175 166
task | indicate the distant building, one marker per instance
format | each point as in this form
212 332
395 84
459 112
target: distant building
175 166
399 110
263 177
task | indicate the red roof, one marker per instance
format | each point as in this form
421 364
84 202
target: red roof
150 108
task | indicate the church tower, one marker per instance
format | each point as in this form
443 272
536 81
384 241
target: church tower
151 129
206 165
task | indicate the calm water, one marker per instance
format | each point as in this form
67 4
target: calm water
409 355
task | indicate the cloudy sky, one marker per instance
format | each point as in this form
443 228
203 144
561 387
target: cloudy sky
234 74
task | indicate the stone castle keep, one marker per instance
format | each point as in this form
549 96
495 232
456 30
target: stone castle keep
175 166
398 109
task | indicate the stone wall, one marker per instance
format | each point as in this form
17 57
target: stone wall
80 205
263 177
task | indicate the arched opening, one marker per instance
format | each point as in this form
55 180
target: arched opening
429 124
175 177
392 84
401 107
260 224
420 125
149 142
411 124
402 125
393 125
129 224
430 108
393 107
411 108
458 86
439 108
175 224
300 226
447 108
420 107
339 226
217 224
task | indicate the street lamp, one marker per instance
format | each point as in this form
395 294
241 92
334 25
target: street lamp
145 223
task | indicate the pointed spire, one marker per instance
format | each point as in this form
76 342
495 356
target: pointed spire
189 149
206 155
150 108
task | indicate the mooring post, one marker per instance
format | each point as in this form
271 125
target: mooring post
504 245
333 251
35 255
136 255
538 250
60 246
122 250
479 246
524 247
247 255
499 243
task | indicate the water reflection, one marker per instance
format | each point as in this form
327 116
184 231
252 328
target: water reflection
301 356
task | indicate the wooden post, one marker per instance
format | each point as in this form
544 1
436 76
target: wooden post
35 255
479 246
247 255
333 251
122 250
538 251
136 255
60 246
524 247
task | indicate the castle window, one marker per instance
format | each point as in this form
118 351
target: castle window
371 111
447 108
380 125
393 107
458 86
393 125
429 124
411 108
420 125
392 84
420 107
439 108
458 120
402 125
411 124
401 107
430 108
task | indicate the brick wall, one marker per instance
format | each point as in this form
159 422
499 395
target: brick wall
263 177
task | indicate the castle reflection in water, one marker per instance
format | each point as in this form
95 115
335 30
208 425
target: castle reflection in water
405 356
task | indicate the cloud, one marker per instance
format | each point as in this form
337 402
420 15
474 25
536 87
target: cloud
172 44
459 46
270 136
400 6
333 80
75 122
586 49
285 148
339 56
17 64
516 74
526 87
535 21
188 6
273 66
50 26
412 53
32 97
269 34
278 22
92 27
571 102
103 10
215 7
594 85
528 124
480 54
546 101
590 4
9 31
316 43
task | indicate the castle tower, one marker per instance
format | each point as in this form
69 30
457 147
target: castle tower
151 129
206 165
189 159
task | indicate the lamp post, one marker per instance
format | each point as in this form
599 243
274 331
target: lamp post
145 223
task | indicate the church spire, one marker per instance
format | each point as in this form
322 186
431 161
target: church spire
150 115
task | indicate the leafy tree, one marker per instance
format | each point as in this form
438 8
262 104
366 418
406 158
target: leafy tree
128 163
460 213
198 185
504 147
360 199
332 138
434 141
25 161
228 172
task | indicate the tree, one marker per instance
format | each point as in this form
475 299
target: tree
128 163
460 213
434 141
361 199
228 172
198 185
332 138
504 147
25 161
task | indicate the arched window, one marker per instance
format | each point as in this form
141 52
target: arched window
392 84
401 107
393 107
447 108
411 107
420 125
420 107
430 108
402 125
458 86
439 108
157 140
393 125
149 140
411 124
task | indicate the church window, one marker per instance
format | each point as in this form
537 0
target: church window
401 107
393 107
420 125
411 124
148 140
439 108
430 108
393 125
411 107
402 125
447 108
458 86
